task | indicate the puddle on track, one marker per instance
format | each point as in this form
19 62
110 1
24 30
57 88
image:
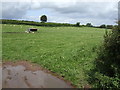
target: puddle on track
19 77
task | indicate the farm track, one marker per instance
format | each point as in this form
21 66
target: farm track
24 74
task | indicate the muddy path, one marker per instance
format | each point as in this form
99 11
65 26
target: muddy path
24 74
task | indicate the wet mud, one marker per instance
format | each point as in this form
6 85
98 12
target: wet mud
20 76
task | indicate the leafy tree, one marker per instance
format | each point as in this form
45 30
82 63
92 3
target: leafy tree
78 24
109 26
103 26
89 25
43 18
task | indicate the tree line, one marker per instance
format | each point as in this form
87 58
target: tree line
6 21
51 24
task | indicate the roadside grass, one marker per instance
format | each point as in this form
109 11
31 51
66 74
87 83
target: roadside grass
67 51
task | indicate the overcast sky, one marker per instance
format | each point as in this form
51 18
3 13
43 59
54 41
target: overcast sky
62 11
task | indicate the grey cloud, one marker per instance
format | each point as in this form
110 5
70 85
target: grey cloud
84 11
13 10
92 10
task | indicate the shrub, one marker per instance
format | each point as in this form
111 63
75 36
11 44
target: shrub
103 81
108 60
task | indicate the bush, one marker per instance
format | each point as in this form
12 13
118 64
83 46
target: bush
109 55
103 81
108 60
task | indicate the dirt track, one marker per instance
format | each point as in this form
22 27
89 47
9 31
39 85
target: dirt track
26 75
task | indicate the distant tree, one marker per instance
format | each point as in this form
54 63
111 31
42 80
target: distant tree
78 24
109 26
89 25
82 25
43 18
103 26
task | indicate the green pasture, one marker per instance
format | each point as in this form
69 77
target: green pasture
67 51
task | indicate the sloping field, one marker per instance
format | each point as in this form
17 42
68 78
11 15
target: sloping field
67 51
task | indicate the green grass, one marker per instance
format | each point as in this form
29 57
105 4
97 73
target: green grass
68 51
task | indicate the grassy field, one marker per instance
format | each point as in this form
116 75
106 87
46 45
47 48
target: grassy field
68 51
